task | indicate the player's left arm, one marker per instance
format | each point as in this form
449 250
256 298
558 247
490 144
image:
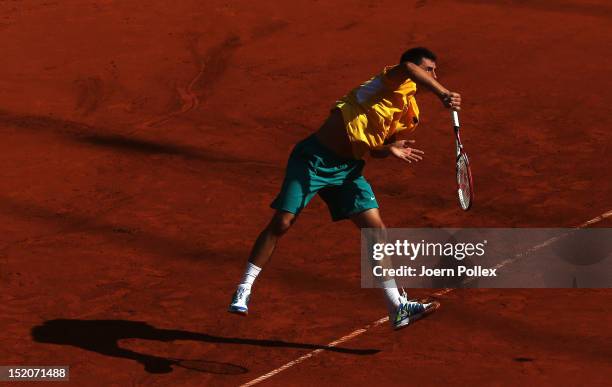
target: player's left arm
399 148
381 152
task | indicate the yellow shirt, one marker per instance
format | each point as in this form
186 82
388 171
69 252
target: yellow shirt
375 111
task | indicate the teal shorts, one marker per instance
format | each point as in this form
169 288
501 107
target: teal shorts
313 169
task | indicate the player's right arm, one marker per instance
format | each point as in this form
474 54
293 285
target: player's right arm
408 70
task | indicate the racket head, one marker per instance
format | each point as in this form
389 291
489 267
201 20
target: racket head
465 186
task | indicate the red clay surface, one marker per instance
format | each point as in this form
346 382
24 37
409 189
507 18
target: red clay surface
143 141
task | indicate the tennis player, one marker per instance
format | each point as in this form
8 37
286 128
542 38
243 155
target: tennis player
330 162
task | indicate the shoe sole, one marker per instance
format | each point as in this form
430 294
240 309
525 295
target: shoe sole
434 305
243 313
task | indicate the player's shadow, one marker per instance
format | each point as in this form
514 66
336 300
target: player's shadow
102 336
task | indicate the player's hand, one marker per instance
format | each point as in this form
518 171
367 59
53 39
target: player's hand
451 100
402 150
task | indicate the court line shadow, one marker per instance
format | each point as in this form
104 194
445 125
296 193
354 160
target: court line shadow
102 336
577 8
139 239
141 145
104 137
120 142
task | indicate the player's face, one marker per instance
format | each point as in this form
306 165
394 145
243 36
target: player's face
429 66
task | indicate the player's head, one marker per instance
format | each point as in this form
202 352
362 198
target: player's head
422 57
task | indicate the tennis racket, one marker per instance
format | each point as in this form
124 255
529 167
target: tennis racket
465 185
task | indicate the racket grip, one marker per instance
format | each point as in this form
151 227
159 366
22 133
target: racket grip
455 115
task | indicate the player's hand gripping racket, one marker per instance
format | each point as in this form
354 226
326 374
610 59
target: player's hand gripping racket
465 186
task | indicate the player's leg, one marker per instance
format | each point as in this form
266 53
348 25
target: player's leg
371 219
266 241
299 186
260 255
355 200
401 310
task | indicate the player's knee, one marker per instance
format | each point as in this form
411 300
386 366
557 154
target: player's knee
280 224
379 231
380 225
377 224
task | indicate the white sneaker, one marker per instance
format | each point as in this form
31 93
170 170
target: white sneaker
411 310
240 301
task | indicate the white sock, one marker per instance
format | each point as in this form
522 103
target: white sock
391 295
250 274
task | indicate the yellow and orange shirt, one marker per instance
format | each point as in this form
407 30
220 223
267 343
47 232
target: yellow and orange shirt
376 110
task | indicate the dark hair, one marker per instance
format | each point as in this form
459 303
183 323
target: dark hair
415 55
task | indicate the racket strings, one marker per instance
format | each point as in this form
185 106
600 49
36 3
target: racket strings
464 183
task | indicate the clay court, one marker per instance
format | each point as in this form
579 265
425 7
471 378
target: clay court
142 143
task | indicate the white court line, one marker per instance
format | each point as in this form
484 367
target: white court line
383 320
316 351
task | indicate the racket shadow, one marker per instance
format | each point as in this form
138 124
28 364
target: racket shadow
103 336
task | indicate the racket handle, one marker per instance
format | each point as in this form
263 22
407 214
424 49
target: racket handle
455 115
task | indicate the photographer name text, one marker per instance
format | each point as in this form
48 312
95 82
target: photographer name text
406 271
